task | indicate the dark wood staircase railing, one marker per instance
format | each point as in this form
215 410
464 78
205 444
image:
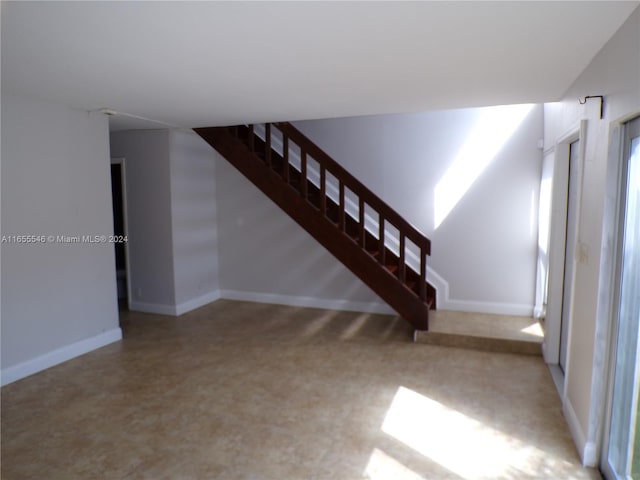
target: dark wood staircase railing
335 208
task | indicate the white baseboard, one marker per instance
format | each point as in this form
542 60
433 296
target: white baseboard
443 303
556 375
295 301
586 450
487 307
590 456
175 310
442 299
197 302
35 365
158 308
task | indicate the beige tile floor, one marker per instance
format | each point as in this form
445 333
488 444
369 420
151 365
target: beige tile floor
241 390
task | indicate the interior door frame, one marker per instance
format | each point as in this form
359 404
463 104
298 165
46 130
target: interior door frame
125 220
557 245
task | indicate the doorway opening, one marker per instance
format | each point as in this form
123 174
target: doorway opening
569 251
118 196
564 171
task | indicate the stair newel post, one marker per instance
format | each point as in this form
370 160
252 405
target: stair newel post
303 172
401 264
267 143
251 137
341 215
381 256
285 156
361 221
323 191
423 274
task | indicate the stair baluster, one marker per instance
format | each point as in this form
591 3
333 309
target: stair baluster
381 247
303 173
401 261
285 156
323 191
251 139
423 274
363 230
341 217
267 148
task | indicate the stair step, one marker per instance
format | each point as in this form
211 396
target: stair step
481 331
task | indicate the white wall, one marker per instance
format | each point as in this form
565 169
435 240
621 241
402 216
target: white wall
265 256
614 73
58 300
151 274
485 248
193 220
171 217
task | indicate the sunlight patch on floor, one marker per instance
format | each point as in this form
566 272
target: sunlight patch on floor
319 323
462 445
535 329
384 467
354 327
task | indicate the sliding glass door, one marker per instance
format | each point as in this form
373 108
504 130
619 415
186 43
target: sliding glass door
622 443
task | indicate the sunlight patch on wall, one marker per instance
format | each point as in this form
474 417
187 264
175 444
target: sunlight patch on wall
462 445
494 128
544 214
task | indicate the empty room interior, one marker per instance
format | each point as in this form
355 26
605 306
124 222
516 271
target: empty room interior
320 240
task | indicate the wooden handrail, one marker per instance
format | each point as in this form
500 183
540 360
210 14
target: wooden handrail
344 177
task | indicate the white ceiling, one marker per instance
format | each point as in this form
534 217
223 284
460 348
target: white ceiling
214 63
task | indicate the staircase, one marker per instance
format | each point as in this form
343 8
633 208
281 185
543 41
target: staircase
380 247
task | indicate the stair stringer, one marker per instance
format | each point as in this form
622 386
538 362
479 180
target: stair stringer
436 284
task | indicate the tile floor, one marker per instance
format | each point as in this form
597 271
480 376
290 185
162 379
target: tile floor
239 390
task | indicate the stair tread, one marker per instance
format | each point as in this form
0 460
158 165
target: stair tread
484 325
478 331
